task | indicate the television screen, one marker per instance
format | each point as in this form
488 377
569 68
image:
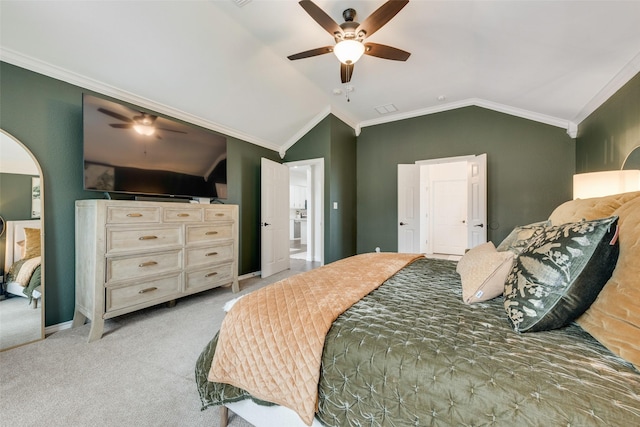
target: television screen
128 150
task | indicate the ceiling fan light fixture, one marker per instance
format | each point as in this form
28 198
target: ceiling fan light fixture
348 51
146 130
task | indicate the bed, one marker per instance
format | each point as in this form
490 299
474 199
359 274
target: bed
434 345
23 260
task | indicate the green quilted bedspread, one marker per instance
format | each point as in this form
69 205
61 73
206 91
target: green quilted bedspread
412 354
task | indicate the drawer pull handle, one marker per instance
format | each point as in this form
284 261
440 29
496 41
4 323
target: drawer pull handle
147 237
183 215
134 215
144 291
212 254
219 214
147 264
211 274
211 233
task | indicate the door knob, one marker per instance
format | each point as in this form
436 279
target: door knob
403 223
264 224
479 225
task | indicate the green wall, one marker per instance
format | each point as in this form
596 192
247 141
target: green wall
335 142
529 168
15 203
46 116
609 134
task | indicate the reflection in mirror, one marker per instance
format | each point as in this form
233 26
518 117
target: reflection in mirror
633 160
21 245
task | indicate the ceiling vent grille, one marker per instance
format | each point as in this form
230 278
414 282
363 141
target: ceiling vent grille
241 3
386 109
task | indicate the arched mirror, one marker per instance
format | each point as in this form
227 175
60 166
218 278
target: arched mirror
633 160
21 245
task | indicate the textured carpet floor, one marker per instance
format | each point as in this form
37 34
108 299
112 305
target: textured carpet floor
19 321
141 373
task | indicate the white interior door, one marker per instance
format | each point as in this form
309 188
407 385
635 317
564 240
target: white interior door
408 209
477 205
449 199
274 223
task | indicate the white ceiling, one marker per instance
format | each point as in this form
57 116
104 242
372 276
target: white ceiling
224 67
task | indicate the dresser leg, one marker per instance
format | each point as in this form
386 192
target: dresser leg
224 416
79 319
97 327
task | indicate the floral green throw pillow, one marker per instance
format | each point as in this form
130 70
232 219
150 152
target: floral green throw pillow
521 236
560 273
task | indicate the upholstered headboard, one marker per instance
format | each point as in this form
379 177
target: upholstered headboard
15 234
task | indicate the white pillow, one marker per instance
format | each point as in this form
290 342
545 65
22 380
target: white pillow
483 271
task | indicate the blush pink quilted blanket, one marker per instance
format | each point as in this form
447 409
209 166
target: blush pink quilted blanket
271 341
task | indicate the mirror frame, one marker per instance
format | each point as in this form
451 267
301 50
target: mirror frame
42 238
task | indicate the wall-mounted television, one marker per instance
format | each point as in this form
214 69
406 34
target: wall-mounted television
129 150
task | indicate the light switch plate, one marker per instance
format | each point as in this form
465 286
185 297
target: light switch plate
335 205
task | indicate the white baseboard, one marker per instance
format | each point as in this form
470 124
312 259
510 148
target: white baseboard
58 327
249 275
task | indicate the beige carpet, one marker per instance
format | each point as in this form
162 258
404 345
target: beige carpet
19 322
141 373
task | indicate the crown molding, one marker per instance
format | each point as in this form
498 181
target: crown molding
477 102
317 119
59 73
347 119
571 126
302 132
627 73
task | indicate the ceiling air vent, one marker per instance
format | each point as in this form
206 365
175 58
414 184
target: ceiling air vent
241 3
386 109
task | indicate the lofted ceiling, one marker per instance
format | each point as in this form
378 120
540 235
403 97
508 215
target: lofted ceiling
224 66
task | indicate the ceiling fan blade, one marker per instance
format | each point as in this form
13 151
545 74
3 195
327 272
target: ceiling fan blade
312 52
346 71
385 52
115 115
381 16
172 130
321 17
121 126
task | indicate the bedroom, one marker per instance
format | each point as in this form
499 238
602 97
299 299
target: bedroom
44 113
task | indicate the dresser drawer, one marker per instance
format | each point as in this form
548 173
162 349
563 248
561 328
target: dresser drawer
207 255
133 215
209 277
182 215
142 293
217 214
208 233
127 239
140 266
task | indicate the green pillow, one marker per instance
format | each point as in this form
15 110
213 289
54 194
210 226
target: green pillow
521 236
560 273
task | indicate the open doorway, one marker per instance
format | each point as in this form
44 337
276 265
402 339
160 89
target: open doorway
442 205
306 210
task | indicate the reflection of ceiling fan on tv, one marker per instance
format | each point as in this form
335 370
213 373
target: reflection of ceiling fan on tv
350 36
142 123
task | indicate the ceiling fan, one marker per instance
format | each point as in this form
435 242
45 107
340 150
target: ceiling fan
350 36
143 123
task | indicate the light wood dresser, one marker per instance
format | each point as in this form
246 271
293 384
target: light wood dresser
131 255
